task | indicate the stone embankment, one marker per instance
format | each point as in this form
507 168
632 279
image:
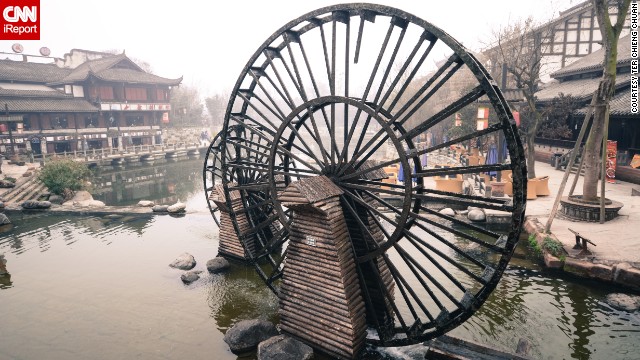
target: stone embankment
620 273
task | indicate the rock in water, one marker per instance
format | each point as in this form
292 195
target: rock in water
282 347
4 220
146 203
190 277
177 208
624 302
160 208
476 215
245 336
185 261
217 265
448 211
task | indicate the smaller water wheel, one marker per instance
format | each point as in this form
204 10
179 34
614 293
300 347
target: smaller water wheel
324 115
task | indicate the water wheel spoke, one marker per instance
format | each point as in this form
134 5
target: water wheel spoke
315 100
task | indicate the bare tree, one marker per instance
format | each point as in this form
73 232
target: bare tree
602 96
519 47
186 106
217 106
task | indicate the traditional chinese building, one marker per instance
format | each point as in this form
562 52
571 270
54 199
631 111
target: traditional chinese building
86 100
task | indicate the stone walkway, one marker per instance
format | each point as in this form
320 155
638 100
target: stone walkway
616 256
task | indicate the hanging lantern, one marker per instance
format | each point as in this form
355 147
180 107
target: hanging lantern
483 118
458 120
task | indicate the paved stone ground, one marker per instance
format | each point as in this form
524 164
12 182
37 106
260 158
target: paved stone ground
617 240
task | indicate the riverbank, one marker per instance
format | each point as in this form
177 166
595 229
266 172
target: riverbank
615 257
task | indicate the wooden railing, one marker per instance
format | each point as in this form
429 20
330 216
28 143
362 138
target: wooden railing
103 153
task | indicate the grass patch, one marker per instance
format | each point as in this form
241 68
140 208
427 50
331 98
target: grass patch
533 244
552 246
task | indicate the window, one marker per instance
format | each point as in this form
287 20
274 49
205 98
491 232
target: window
162 95
105 92
91 121
135 120
136 94
26 123
59 122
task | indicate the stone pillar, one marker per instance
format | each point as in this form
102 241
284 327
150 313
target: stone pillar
320 299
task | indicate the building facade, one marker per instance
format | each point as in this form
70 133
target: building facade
84 101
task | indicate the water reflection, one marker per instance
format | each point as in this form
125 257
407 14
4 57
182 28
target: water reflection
105 280
240 295
163 183
38 232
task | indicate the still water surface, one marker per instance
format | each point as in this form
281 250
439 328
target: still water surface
93 288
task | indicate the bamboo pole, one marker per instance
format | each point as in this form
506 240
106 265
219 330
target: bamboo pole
572 159
575 179
603 172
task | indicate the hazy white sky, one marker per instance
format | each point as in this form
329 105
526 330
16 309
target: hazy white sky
209 42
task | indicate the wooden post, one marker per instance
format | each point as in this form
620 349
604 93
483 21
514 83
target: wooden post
603 172
567 171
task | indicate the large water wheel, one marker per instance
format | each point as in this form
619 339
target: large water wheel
350 92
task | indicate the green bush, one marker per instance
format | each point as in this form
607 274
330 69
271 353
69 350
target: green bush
59 175
10 179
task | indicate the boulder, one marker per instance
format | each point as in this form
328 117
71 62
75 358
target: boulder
56 199
190 276
218 264
81 196
185 261
27 174
4 220
282 347
476 215
245 336
623 302
6 184
94 203
146 203
177 208
448 211
160 208
35 204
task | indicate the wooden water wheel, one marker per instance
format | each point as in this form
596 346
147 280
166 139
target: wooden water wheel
355 93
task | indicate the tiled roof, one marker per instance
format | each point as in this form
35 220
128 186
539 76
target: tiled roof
105 69
33 93
581 89
30 72
47 105
132 77
594 60
620 104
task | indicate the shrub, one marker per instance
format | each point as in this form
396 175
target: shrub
63 174
10 179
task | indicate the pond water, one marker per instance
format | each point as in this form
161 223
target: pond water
86 287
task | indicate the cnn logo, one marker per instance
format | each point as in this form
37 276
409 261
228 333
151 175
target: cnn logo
20 20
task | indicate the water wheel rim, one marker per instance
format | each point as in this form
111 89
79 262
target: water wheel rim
291 33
